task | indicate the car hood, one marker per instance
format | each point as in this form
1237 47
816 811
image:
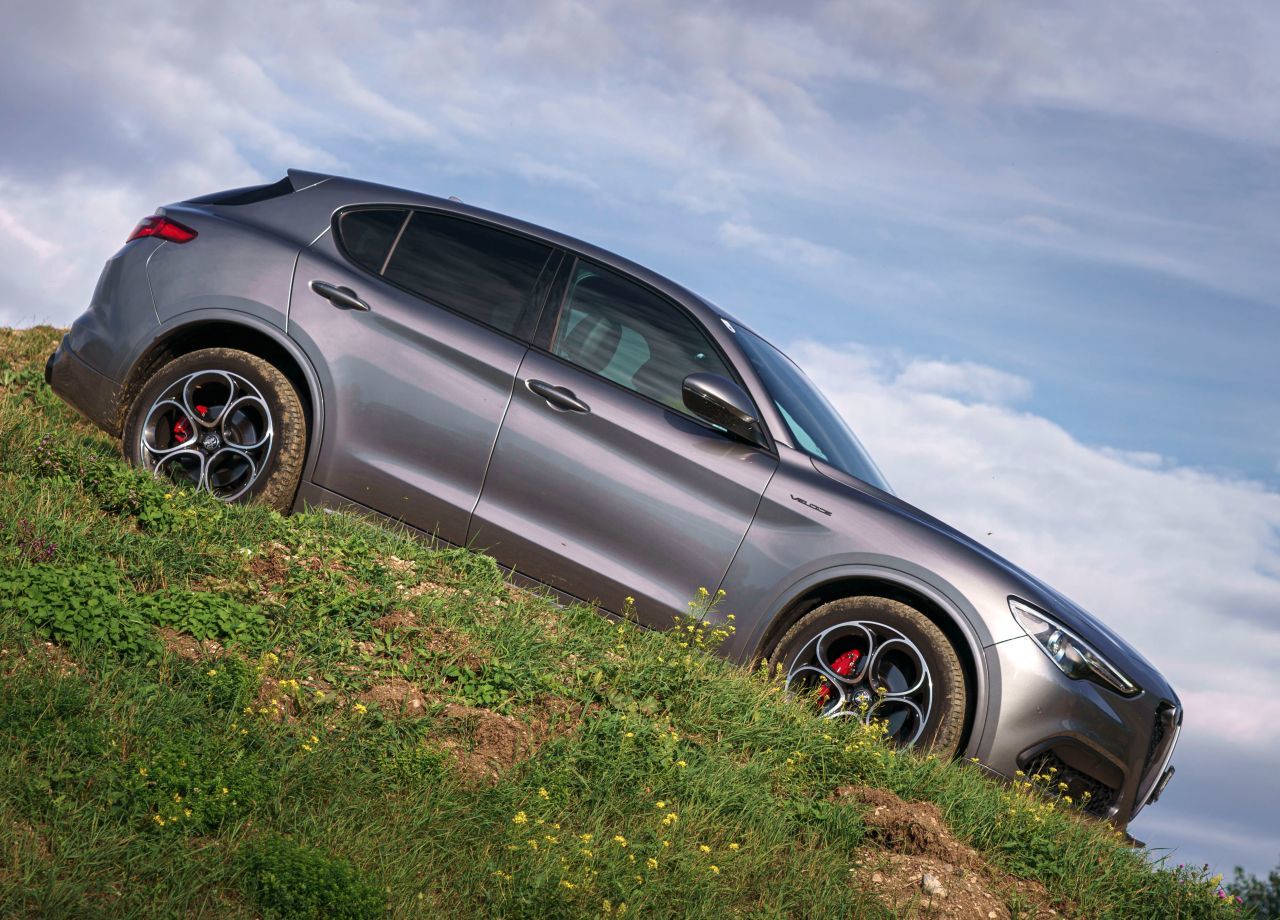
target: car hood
1021 583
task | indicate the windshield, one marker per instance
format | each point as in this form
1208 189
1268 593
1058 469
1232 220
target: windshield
815 426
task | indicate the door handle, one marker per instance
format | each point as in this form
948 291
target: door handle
560 398
342 297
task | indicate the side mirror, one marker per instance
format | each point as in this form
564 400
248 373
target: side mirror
722 402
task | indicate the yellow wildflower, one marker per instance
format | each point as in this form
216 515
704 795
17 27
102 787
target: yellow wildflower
520 818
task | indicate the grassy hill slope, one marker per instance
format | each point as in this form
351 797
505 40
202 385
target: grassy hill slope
218 711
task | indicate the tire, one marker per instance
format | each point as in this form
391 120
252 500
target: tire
899 650
248 442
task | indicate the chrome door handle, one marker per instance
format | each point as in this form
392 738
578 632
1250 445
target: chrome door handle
342 297
560 398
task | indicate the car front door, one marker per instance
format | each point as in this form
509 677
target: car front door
602 485
418 320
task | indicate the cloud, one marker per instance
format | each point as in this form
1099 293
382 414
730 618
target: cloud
788 250
1183 563
964 380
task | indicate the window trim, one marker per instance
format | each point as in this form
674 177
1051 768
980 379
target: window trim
553 313
530 314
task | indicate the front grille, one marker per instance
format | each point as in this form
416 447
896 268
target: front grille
1164 735
1089 794
1157 736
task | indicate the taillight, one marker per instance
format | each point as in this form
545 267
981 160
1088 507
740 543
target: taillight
162 227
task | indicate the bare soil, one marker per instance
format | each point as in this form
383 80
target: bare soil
188 647
910 840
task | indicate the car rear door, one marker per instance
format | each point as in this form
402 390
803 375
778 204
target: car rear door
601 483
416 321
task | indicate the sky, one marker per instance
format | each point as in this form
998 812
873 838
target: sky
1028 249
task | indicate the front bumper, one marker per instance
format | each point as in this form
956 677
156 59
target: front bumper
1116 750
90 393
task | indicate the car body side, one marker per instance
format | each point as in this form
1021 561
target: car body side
816 533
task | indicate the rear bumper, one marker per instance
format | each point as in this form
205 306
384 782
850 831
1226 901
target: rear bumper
90 393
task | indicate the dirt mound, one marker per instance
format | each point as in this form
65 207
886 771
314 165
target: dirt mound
907 828
915 865
188 647
396 619
396 695
485 744
482 744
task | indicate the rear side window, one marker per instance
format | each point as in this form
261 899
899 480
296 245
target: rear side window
479 271
367 235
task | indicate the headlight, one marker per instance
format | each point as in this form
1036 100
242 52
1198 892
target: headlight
1073 655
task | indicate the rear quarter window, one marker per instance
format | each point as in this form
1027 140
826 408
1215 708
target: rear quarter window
366 235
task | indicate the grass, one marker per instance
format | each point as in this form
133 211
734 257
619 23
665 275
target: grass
218 711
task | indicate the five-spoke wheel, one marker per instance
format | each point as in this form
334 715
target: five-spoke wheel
221 421
875 659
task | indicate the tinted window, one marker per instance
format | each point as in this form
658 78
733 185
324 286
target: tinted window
367 235
617 329
479 271
817 428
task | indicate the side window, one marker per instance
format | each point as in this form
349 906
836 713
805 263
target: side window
482 272
617 329
366 235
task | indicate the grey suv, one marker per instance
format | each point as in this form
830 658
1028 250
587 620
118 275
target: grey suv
603 432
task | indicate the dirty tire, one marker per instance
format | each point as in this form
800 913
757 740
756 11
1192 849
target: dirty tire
279 466
943 728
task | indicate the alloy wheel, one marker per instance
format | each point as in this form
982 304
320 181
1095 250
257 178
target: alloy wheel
211 429
868 671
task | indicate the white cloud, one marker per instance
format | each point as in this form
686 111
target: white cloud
964 380
787 250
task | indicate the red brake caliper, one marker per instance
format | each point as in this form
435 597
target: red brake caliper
843 666
181 430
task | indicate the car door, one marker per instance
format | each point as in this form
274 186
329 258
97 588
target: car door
417 321
602 484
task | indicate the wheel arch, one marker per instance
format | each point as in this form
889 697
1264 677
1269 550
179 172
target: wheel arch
874 581
216 329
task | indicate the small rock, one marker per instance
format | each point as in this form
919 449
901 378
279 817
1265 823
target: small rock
876 878
932 886
991 915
